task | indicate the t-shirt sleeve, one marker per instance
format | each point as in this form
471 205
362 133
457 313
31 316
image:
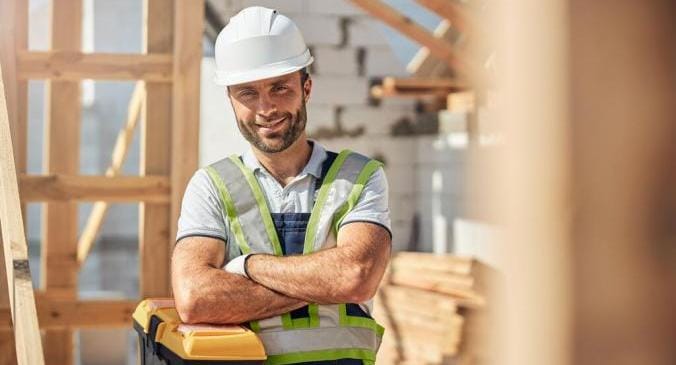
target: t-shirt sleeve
373 203
201 210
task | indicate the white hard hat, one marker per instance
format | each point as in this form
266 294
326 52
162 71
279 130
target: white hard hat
259 43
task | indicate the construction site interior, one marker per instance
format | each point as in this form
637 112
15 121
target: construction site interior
529 148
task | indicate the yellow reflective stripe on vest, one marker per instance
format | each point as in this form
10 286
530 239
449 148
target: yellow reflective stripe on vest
355 321
262 205
357 189
287 321
367 355
313 224
230 211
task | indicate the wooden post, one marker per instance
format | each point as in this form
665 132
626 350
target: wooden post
7 349
623 98
17 273
13 39
533 196
189 29
61 156
588 197
155 240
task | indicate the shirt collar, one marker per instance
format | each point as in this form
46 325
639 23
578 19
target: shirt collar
313 166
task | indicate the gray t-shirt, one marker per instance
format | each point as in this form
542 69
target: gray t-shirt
202 213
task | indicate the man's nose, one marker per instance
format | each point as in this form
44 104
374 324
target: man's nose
266 106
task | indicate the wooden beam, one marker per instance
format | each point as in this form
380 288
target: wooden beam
17 272
188 32
61 151
7 345
155 223
453 11
75 66
124 140
438 47
423 64
423 83
55 313
379 92
65 188
13 38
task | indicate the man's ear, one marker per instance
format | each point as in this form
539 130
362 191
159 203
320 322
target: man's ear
307 88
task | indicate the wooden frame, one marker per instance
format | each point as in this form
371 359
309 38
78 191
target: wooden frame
437 47
167 102
75 66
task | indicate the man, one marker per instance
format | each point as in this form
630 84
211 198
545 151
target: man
304 233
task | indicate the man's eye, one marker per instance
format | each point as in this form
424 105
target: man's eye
247 93
280 88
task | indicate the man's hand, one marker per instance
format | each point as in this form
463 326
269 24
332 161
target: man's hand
347 273
205 293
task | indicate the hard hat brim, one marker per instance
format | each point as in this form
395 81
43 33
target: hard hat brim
272 70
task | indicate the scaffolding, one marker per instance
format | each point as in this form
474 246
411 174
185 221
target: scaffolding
165 101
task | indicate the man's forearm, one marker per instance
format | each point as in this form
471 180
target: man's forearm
343 274
211 295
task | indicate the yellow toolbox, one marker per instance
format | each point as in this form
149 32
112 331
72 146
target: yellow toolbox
163 339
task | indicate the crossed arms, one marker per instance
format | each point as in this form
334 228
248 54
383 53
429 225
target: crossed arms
347 273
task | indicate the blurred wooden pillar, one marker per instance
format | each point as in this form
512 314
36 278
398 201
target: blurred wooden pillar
588 193
61 156
533 199
170 131
623 72
155 242
188 32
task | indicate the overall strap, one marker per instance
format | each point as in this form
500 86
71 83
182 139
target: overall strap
341 187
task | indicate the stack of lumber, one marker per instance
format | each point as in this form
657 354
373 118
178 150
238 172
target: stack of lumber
434 308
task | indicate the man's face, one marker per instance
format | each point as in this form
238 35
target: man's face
271 113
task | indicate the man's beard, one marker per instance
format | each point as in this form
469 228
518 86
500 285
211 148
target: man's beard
288 137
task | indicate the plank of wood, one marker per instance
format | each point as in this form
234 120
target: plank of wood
444 263
55 313
379 92
20 125
417 298
13 39
75 66
464 282
60 188
17 272
437 47
423 64
464 101
7 346
124 140
452 11
155 239
423 83
188 31
61 156
471 296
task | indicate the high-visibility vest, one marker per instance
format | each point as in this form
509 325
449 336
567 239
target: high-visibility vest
330 331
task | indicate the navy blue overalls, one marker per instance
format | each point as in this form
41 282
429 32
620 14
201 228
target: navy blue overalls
290 229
